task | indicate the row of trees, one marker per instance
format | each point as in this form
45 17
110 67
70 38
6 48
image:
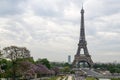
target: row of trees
26 68
16 62
112 67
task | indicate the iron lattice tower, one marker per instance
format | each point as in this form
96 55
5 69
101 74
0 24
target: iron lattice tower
82 45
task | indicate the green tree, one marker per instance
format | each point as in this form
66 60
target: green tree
66 69
15 54
112 67
44 62
67 64
6 66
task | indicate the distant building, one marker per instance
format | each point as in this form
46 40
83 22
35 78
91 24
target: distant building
69 59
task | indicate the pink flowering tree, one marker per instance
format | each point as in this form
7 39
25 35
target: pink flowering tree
27 69
42 70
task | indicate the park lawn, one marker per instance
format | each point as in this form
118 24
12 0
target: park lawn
115 79
53 78
90 78
58 78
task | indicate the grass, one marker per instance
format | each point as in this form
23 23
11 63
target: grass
115 79
90 78
62 77
73 78
53 78
66 78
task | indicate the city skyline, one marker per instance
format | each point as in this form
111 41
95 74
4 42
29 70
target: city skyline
51 29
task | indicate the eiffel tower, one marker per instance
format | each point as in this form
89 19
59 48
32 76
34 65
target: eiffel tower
82 60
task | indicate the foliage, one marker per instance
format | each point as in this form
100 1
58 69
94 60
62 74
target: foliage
90 78
22 65
44 62
53 78
25 67
41 69
56 70
62 67
66 64
113 68
72 72
57 64
66 69
115 79
14 52
30 59
5 65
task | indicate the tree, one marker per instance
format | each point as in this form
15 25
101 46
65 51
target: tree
1 70
66 65
6 66
44 62
66 69
112 67
42 69
56 70
26 69
14 53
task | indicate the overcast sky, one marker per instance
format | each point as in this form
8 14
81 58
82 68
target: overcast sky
50 28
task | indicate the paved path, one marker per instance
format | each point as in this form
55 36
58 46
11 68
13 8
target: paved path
70 77
64 78
79 78
58 78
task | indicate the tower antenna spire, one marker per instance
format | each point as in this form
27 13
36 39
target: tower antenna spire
82 5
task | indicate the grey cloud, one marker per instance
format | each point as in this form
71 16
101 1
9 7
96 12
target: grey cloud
14 32
11 7
55 9
48 8
101 8
45 26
